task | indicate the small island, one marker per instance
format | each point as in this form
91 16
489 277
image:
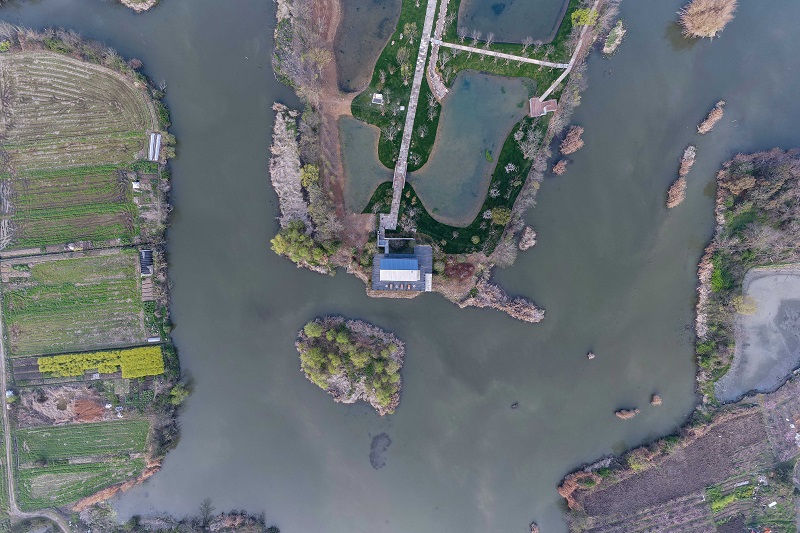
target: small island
352 360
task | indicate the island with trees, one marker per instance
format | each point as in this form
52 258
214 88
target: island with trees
353 360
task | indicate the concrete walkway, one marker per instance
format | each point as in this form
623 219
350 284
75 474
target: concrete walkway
399 181
572 60
435 81
501 55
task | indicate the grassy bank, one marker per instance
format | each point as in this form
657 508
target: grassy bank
387 79
484 232
392 77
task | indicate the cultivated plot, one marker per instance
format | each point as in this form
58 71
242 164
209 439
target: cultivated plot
64 302
70 132
62 483
60 464
51 443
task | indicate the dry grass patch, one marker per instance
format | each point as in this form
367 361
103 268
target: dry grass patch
706 18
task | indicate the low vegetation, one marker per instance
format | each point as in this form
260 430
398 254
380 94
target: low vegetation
573 141
310 229
706 18
676 193
103 517
352 360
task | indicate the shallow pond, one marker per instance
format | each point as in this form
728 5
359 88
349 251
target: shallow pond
366 25
511 21
361 164
767 337
477 116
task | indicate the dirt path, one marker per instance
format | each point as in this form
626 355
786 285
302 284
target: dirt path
334 103
13 509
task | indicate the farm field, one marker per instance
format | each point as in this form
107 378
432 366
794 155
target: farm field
76 204
134 363
59 484
52 443
61 464
70 132
54 304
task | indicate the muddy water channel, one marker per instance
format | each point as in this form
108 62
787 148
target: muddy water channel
614 270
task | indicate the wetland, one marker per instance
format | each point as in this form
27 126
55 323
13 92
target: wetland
615 270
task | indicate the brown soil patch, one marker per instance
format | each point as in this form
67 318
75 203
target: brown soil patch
458 271
88 411
60 405
735 445
334 103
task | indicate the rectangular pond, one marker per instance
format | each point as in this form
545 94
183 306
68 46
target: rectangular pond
476 118
363 169
513 20
365 27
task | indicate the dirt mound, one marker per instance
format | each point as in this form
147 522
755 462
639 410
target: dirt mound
87 410
61 405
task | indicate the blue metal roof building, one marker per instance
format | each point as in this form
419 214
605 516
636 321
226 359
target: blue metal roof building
403 272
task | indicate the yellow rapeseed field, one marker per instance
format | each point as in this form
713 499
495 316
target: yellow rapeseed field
135 362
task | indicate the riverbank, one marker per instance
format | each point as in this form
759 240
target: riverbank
92 372
491 239
755 235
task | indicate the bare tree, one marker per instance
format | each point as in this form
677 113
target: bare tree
432 111
391 130
449 19
529 144
402 56
476 35
526 42
206 513
489 40
422 131
431 100
382 77
462 35
410 30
